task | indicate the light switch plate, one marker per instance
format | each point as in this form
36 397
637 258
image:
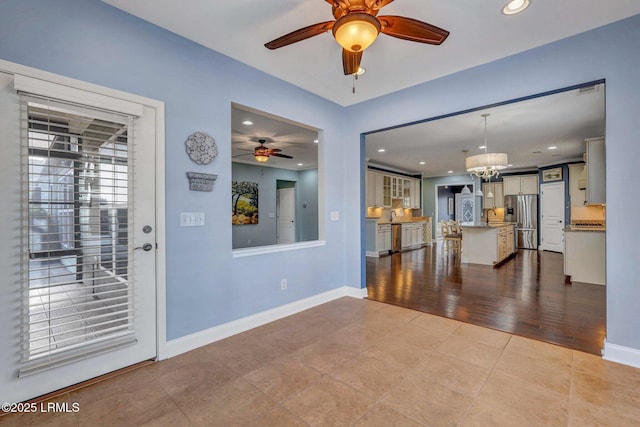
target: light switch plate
335 216
191 219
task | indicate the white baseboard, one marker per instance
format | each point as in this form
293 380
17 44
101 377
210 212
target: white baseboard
620 354
217 333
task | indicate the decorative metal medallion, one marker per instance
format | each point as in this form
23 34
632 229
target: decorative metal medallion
201 148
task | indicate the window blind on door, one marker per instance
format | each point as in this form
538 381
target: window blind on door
78 297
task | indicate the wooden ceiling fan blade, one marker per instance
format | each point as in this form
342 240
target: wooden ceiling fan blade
412 30
284 156
299 35
274 150
351 61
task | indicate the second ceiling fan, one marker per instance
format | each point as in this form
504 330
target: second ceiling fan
357 25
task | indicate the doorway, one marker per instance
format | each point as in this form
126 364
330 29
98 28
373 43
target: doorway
448 204
286 212
82 263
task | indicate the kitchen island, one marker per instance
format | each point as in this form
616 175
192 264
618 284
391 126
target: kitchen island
487 243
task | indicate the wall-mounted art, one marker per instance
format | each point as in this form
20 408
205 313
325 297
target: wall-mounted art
201 148
201 181
244 202
554 174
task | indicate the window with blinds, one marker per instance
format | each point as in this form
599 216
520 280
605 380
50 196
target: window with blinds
77 293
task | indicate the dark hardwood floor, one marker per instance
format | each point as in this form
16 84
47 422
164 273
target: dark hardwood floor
526 296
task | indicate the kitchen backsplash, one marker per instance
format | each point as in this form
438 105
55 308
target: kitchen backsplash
494 215
399 214
588 212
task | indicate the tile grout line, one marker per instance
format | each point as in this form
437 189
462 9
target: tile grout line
475 398
571 387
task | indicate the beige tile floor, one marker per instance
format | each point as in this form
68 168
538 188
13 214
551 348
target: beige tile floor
362 363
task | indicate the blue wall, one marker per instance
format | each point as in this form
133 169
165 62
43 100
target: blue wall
206 286
610 53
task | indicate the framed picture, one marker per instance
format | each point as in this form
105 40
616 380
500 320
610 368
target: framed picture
554 174
244 202
450 206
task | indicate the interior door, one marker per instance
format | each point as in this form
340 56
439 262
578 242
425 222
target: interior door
552 216
286 215
83 297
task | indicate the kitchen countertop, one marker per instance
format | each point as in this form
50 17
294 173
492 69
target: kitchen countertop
487 225
404 221
588 229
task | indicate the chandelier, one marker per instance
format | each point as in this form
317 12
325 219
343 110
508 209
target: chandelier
486 165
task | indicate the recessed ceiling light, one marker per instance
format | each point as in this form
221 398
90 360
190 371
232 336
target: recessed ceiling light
515 6
449 171
553 147
381 150
300 164
423 163
247 123
315 140
509 165
482 147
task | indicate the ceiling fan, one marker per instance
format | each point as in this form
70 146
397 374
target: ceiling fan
262 153
357 25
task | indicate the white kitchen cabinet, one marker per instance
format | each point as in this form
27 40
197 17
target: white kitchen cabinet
396 187
578 196
584 256
521 184
386 191
383 238
406 193
374 189
412 235
415 194
596 191
495 188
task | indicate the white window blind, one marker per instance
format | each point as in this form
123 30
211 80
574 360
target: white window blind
77 289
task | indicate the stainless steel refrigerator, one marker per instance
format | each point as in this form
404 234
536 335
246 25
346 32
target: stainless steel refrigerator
523 211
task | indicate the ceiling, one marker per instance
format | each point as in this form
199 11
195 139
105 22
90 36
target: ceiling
480 33
524 130
294 139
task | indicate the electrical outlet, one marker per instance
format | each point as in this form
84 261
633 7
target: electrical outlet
283 284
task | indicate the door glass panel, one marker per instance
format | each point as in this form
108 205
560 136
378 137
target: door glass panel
78 294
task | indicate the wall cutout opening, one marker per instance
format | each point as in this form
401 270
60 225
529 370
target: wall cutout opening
273 158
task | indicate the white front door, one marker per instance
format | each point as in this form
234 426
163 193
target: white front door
81 296
286 215
552 216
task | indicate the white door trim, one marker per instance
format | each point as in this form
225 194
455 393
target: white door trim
158 106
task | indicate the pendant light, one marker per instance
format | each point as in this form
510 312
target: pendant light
487 164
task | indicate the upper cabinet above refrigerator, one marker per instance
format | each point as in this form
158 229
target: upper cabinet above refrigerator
520 184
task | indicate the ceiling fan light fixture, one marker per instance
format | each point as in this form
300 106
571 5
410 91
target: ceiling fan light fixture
262 158
515 6
356 31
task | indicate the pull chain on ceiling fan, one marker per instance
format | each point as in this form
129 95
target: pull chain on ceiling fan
356 27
